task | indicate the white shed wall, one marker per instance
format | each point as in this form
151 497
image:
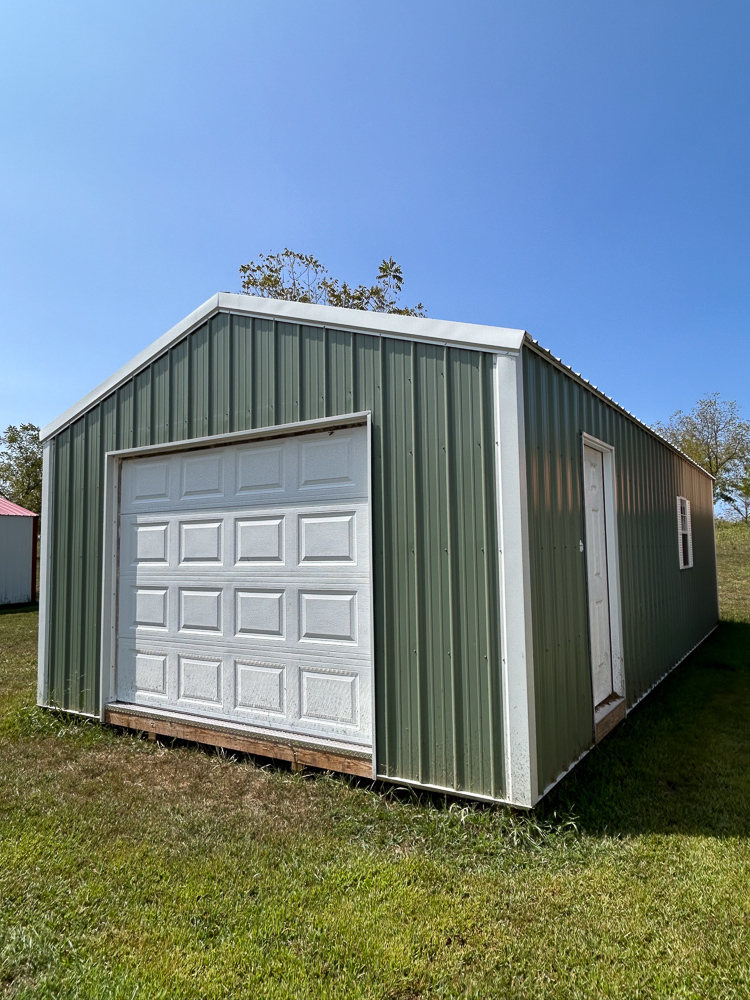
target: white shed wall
16 541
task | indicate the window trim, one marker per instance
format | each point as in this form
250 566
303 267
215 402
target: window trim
684 533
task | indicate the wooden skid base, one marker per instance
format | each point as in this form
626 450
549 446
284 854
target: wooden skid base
608 722
299 756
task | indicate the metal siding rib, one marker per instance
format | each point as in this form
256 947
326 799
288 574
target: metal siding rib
264 373
75 674
340 381
312 372
242 372
200 382
91 596
179 392
437 738
370 395
160 400
221 375
436 632
125 415
665 611
142 425
109 424
400 541
472 673
288 372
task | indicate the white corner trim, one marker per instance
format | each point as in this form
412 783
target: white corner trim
613 558
110 557
45 556
371 580
471 335
519 726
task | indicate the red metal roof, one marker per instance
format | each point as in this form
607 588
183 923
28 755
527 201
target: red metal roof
13 510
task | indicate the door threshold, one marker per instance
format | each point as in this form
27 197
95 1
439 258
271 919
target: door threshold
299 751
607 714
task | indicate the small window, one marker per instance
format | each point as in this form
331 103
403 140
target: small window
684 533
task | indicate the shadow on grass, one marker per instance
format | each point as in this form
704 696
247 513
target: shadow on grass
680 762
18 609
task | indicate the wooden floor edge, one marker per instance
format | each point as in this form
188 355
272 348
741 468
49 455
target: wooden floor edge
610 720
299 756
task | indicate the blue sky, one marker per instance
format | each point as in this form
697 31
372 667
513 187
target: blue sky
577 169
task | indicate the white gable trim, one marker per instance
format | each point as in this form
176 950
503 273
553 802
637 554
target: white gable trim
435 331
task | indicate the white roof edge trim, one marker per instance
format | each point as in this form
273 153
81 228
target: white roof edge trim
469 335
559 363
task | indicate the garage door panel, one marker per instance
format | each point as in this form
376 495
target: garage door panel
150 671
200 610
199 680
260 541
143 673
332 465
321 539
148 485
244 584
202 476
328 616
260 688
150 606
329 464
306 695
202 542
260 613
327 538
144 608
295 695
329 696
260 472
150 544
279 611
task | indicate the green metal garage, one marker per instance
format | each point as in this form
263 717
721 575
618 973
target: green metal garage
417 550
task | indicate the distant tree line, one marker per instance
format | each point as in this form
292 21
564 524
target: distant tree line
715 436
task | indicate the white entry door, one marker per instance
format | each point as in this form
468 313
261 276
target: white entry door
598 575
244 584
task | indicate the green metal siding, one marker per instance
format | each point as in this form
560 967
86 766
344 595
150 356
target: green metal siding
665 610
437 661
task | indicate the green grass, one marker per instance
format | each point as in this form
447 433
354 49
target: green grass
133 870
733 552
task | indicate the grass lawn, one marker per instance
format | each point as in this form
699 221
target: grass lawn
133 870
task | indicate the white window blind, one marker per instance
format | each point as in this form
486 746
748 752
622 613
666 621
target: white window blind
684 533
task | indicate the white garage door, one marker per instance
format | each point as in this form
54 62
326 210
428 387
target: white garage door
244 584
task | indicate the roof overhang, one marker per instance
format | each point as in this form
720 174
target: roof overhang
433 331
10 509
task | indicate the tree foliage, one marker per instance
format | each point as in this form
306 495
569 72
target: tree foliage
715 436
738 501
21 466
298 277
